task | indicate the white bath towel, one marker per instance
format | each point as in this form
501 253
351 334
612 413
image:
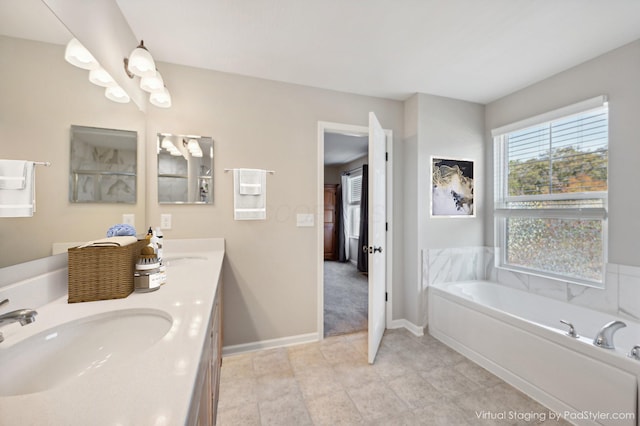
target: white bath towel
249 205
13 174
20 202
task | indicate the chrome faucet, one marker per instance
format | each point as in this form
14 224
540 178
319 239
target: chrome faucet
23 316
604 338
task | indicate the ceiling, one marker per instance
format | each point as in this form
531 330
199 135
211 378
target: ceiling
475 50
341 149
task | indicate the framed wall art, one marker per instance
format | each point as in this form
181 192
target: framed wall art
452 187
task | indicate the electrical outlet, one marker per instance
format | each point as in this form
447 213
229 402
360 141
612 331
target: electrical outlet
165 221
129 219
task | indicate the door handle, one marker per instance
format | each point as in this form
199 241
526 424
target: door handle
371 249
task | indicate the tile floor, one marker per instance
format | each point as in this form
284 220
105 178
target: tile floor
414 381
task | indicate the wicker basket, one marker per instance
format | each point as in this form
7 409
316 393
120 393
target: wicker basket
101 273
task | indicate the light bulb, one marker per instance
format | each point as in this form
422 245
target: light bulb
141 63
152 84
161 99
117 94
76 54
100 77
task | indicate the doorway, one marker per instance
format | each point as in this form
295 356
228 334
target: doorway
346 285
381 298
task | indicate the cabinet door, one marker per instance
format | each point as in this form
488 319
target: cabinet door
216 358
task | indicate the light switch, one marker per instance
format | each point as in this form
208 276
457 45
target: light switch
129 219
165 221
304 220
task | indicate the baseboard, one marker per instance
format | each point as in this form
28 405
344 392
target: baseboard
403 323
269 344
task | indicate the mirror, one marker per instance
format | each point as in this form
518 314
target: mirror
185 169
37 110
103 165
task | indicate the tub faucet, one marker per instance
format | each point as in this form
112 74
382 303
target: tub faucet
604 338
23 316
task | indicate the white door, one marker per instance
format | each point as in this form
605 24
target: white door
377 234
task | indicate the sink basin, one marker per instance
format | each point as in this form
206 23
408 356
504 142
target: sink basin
78 348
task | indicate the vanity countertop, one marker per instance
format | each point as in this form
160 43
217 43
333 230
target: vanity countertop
155 385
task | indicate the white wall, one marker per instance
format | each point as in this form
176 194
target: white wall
270 269
617 75
446 128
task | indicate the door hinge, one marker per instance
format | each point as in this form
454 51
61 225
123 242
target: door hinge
386 226
386 296
386 156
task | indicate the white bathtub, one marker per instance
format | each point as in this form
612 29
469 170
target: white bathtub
518 336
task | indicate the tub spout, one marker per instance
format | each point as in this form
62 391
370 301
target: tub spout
604 338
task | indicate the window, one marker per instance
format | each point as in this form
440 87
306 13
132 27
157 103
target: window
355 192
551 193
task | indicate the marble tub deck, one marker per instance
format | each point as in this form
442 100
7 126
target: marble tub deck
415 381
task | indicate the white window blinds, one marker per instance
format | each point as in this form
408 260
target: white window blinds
355 189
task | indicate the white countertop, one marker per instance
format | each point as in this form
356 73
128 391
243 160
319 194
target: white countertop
155 386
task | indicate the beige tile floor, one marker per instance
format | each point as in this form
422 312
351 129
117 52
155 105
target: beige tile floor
414 381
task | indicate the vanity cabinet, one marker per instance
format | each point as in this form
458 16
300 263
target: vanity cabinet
211 363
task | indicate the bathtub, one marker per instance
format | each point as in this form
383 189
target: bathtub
518 336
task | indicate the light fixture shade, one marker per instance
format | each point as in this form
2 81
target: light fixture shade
141 62
161 99
100 77
166 144
152 84
76 54
117 94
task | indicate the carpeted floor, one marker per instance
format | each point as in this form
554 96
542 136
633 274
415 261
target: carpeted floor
346 303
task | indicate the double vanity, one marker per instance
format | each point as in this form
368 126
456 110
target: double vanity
148 359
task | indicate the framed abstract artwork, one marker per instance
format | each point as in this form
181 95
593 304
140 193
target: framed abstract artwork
452 187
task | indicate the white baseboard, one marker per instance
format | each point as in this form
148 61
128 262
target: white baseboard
305 338
269 344
403 323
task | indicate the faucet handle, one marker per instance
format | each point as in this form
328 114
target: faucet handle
3 302
572 330
635 353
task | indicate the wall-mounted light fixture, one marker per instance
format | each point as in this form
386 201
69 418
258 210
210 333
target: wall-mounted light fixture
193 147
76 54
140 63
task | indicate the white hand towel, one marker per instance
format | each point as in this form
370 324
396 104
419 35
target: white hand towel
250 182
13 174
249 206
20 202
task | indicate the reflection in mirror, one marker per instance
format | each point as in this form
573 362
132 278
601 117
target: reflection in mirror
185 169
103 165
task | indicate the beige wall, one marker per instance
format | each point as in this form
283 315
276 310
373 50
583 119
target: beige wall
617 75
270 269
449 128
41 97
